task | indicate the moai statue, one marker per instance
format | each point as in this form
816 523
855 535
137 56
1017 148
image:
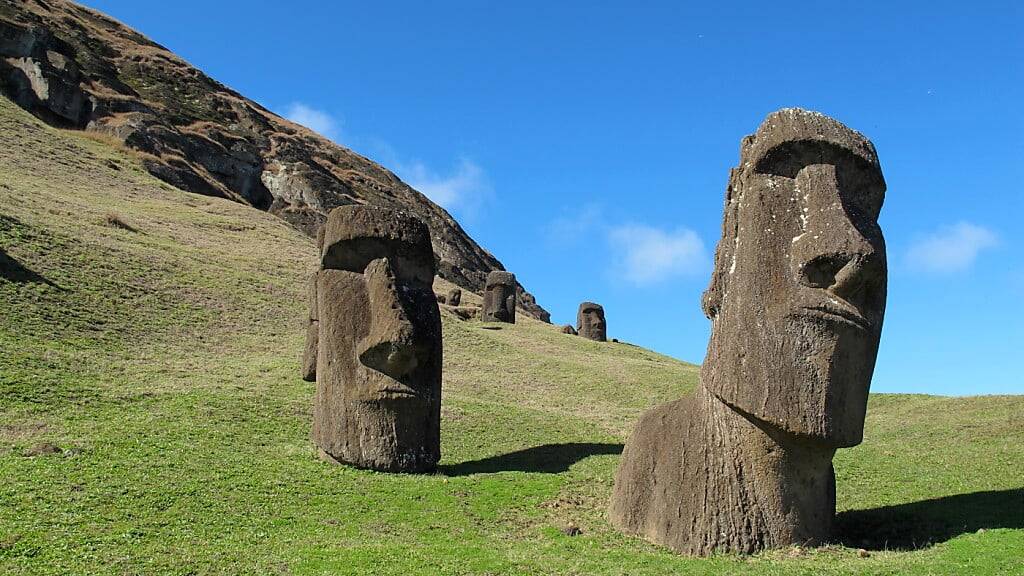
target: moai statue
500 297
796 302
312 334
454 297
590 322
441 299
378 373
568 329
312 323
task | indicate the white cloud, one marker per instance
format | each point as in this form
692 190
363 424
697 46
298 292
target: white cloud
574 227
951 248
464 188
316 120
647 255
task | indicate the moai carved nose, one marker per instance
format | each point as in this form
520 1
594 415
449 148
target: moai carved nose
390 346
832 254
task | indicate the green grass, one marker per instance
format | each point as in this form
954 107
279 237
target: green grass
163 363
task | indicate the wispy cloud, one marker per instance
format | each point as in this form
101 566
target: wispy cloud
464 188
645 255
571 228
951 248
316 120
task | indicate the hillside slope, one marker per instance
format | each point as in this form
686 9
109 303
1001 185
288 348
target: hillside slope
74 67
152 420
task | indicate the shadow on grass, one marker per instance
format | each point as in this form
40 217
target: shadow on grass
549 458
921 524
14 271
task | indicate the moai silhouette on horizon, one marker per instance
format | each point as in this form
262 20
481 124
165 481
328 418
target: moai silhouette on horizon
500 297
796 301
590 322
378 367
455 297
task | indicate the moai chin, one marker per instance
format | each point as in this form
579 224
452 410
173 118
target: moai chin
378 369
796 301
500 297
590 322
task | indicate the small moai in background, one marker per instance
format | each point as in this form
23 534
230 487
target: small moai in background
312 323
568 329
312 334
590 322
441 299
378 367
500 297
455 297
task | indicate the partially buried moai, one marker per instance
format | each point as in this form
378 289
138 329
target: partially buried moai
590 322
796 302
455 297
378 368
312 322
500 297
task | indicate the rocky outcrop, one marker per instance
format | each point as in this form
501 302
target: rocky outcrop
76 68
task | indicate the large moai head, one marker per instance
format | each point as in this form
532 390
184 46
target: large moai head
500 297
378 397
798 290
590 322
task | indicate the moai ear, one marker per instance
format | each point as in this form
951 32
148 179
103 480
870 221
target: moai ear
725 253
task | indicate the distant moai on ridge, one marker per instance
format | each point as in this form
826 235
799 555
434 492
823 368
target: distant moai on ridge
378 342
590 322
455 297
796 300
500 297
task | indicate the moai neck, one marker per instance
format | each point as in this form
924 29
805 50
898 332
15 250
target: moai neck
764 489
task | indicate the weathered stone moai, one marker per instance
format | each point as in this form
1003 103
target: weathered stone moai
500 297
455 297
568 329
590 322
312 334
312 322
796 301
378 367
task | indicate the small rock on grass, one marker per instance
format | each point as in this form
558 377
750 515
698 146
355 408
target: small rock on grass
572 529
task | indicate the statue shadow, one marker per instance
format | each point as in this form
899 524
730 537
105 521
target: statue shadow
548 458
14 271
922 524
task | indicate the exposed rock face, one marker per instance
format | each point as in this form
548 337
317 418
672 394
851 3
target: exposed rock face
796 300
454 297
76 68
378 372
500 298
590 322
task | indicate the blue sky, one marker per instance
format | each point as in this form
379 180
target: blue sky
587 144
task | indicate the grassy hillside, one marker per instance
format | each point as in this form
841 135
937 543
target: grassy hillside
152 419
